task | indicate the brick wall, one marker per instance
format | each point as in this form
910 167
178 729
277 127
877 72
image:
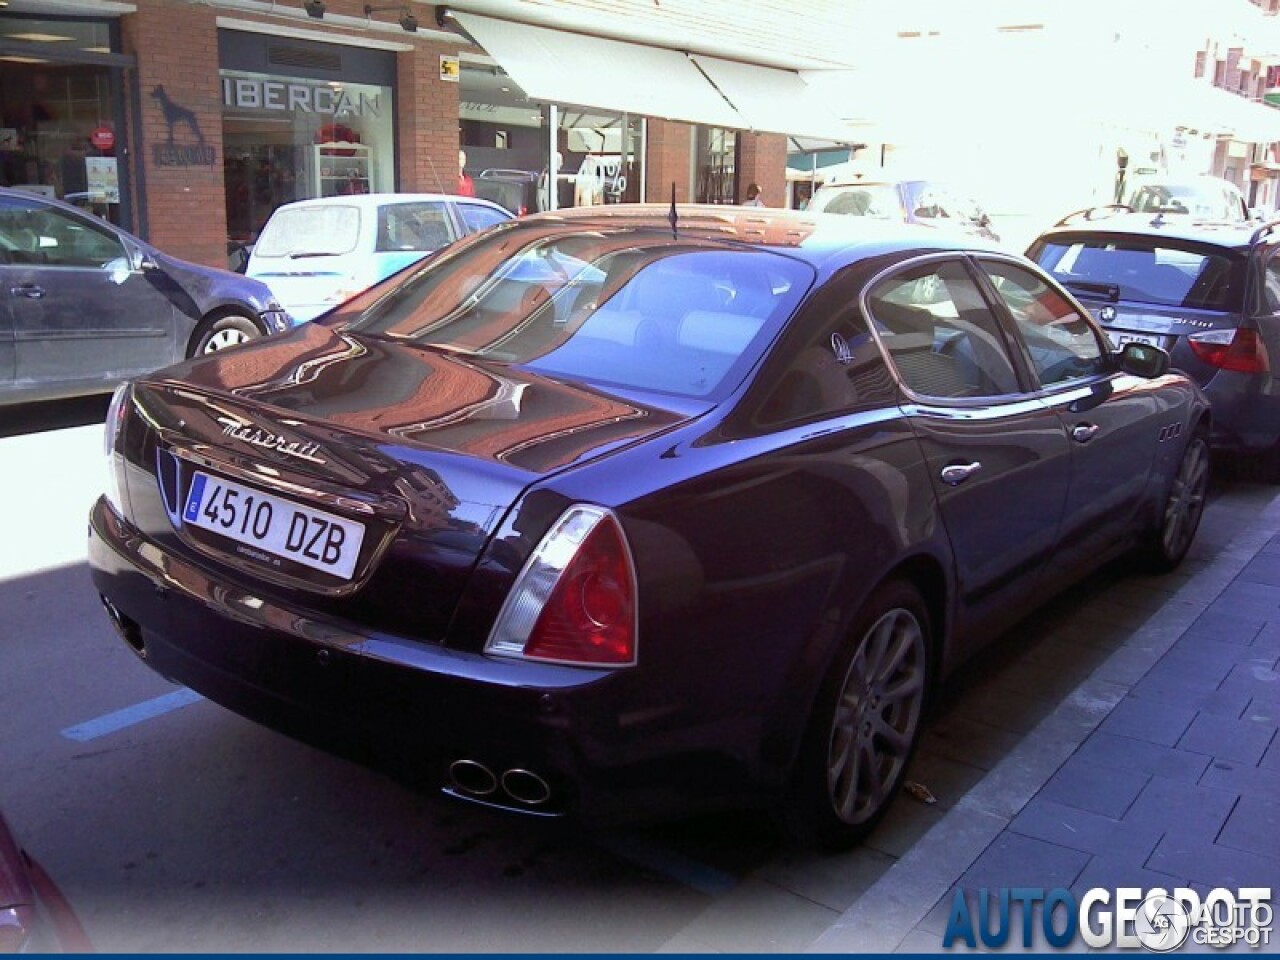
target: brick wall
176 46
428 111
175 43
762 159
667 161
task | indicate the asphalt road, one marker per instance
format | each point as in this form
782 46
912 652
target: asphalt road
175 825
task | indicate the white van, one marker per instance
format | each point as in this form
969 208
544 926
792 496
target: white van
316 254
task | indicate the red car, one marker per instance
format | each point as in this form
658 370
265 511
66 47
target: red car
34 915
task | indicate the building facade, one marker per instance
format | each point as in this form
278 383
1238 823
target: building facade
188 123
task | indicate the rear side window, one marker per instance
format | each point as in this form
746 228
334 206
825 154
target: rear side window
1271 284
413 226
310 231
477 217
1148 270
879 200
942 337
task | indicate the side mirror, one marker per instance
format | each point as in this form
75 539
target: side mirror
1143 360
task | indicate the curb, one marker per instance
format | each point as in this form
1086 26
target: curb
886 914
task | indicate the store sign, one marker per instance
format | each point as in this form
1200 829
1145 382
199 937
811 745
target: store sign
294 97
103 138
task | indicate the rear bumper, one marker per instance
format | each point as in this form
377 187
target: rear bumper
1246 412
412 708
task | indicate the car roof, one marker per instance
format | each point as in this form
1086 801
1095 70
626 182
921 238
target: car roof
813 237
366 200
1236 234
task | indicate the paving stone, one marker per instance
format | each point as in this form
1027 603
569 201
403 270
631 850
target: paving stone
1142 756
1226 627
1259 682
1088 786
1265 568
1184 808
1262 711
1122 871
1254 825
1242 740
1162 723
1182 855
1271 759
1083 830
921 941
1018 861
1247 601
1224 703
1245 780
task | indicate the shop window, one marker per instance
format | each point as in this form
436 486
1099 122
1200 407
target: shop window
59 122
293 138
716 153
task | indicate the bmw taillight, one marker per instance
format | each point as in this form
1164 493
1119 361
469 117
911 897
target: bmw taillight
1241 351
111 430
575 600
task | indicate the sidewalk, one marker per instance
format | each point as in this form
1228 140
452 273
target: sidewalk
1160 769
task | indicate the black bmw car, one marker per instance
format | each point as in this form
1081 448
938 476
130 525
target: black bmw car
619 513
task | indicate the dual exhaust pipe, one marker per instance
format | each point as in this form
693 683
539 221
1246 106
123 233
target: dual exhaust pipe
474 780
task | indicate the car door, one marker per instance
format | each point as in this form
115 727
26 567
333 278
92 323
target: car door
998 458
82 307
1110 416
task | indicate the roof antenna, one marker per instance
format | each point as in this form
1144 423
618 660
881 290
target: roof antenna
435 173
673 216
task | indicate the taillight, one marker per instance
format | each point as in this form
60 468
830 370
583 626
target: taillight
1239 350
111 430
575 600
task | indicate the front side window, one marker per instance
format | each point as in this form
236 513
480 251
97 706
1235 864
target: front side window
1061 344
1147 270
944 340
421 226
635 309
878 200
31 233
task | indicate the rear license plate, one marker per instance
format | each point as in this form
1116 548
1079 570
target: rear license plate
274 527
1120 337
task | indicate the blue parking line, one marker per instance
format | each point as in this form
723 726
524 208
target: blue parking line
111 722
674 866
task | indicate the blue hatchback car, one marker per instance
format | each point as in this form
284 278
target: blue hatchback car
1208 292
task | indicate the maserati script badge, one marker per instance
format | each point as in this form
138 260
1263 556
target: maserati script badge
258 437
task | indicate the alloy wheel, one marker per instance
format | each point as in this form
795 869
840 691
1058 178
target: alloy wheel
877 716
1186 500
222 339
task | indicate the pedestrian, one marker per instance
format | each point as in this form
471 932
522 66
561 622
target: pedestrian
753 196
466 186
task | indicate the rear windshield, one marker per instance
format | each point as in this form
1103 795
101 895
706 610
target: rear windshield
634 308
422 225
309 231
1148 270
865 200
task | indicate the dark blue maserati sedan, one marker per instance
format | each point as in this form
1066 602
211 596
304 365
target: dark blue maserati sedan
629 512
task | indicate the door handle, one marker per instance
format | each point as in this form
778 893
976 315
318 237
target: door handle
958 473
1083 432
28 290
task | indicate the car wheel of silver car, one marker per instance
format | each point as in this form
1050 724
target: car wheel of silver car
1183 507
219 333
867 721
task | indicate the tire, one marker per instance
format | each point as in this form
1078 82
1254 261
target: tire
866 722
1183 506
220 333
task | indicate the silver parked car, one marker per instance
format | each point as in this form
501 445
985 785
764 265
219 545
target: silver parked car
84 305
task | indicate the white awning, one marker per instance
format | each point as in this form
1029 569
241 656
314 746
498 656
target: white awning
775 101
558 67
